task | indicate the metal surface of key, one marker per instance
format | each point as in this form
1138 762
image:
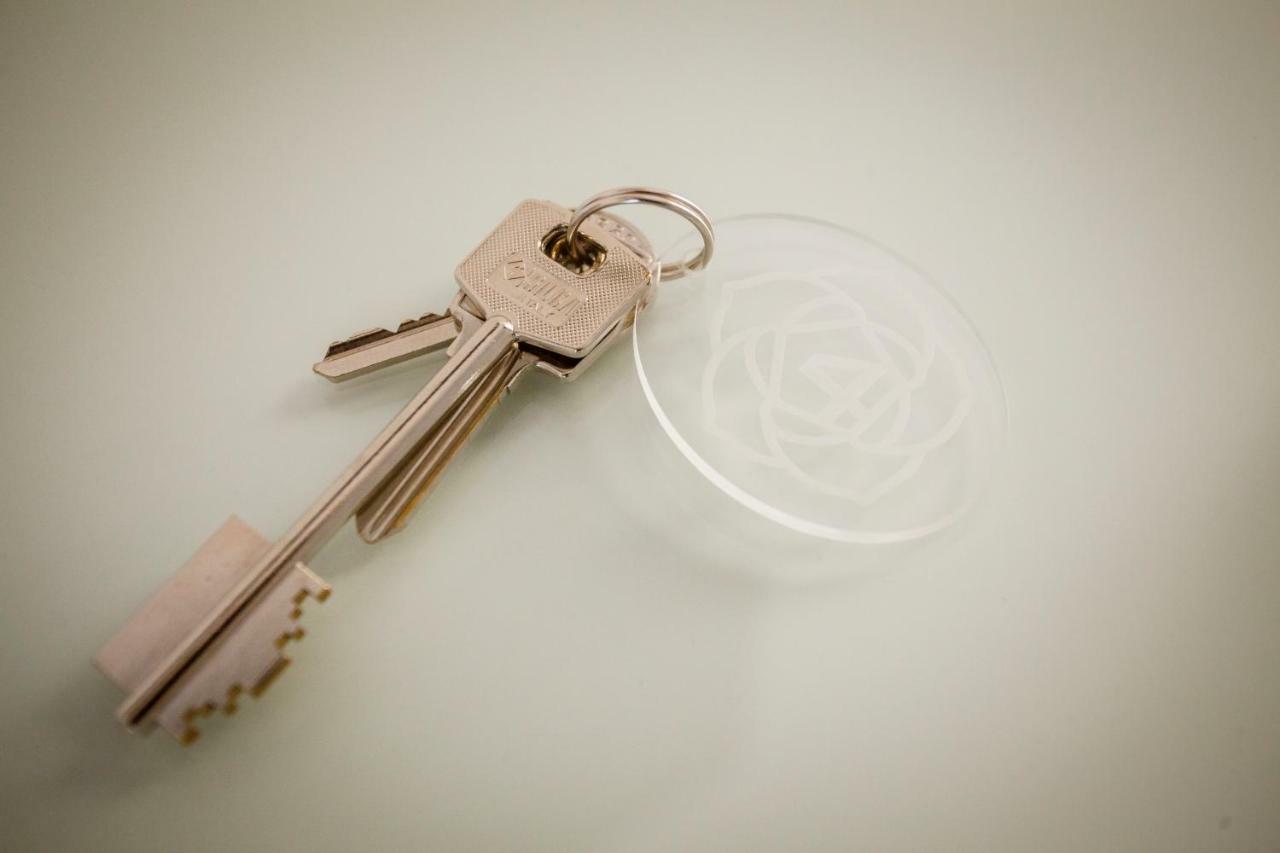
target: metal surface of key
389 508
182 657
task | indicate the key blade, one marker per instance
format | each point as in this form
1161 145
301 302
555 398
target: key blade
388 509
374 349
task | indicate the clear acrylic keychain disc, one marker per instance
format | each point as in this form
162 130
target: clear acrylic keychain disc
822 382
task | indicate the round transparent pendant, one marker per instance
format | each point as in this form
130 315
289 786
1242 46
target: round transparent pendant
822 382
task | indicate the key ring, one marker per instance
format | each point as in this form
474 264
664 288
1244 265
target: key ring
661 198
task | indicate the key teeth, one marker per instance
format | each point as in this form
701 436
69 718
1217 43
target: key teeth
359 339
320 591
231 704
370 336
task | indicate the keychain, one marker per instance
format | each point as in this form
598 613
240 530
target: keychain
549 288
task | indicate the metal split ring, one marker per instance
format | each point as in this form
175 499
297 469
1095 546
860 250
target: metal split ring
661 198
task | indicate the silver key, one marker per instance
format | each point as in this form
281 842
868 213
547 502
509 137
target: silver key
388 510
215 631
373 349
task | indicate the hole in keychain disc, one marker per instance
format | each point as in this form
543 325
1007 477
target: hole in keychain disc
581 258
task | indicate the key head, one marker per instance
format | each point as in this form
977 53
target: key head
551 307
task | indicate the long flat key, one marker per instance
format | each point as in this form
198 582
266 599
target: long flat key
529 303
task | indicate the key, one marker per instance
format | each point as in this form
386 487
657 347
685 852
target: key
388 510
216 630
374 349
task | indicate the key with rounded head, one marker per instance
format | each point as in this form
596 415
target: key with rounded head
216 630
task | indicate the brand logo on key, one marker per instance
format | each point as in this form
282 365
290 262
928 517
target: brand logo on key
536 290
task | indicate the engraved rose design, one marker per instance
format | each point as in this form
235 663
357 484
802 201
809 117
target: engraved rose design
825 392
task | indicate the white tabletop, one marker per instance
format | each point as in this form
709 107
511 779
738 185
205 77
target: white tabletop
196 200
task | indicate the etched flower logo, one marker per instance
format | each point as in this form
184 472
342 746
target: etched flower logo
826 392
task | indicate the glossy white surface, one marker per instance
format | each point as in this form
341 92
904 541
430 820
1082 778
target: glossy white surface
579 644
